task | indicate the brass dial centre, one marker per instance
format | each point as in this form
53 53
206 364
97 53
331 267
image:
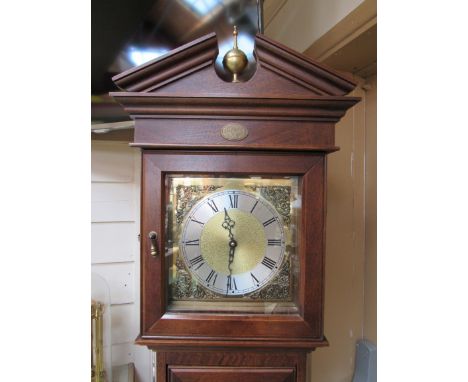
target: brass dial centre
249 242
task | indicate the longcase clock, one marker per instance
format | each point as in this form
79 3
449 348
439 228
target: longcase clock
233 199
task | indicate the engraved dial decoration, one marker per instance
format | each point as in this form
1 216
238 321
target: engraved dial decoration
233 242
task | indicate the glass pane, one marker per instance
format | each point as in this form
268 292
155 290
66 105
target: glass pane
231 243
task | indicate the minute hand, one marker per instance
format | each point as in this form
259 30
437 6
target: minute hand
228 224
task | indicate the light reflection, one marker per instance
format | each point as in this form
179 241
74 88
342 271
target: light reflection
203 7
139 56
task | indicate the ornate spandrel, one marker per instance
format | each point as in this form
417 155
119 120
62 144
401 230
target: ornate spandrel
280 197
188 196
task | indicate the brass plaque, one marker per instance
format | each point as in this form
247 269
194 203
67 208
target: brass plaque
234 132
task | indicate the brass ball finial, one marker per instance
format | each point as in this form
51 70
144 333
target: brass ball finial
235 61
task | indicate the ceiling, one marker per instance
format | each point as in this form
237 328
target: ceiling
124 30
126 33
359 56
113 24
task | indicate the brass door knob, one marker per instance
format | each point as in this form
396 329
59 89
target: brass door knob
153 236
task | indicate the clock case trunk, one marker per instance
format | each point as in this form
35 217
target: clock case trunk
287 114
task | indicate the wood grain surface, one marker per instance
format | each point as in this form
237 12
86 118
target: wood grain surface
231 366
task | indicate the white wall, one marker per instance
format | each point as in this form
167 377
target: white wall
300 23
115 194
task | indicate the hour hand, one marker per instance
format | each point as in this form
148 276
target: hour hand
228 223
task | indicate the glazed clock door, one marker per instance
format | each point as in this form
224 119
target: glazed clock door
234 240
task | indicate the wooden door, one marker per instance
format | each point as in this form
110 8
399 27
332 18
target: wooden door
230 374
302 330
231 366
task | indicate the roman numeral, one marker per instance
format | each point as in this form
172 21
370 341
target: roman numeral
234 199
213 205
196 221
269 263
255 205
212 276
197 260
231 283
268 222
274 241
193 242
254 279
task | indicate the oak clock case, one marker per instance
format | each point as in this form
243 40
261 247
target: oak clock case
233 207
232 243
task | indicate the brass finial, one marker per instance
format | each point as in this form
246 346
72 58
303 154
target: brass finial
235 61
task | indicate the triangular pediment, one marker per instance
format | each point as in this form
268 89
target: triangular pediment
189 71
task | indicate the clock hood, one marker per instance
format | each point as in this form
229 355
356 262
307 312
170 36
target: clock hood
191 67
179 101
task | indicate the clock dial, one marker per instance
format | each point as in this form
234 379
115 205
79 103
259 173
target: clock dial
233 242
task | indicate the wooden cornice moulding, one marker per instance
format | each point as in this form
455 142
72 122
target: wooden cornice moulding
238 147
180 343
150 105
176 64
197 60
301 69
